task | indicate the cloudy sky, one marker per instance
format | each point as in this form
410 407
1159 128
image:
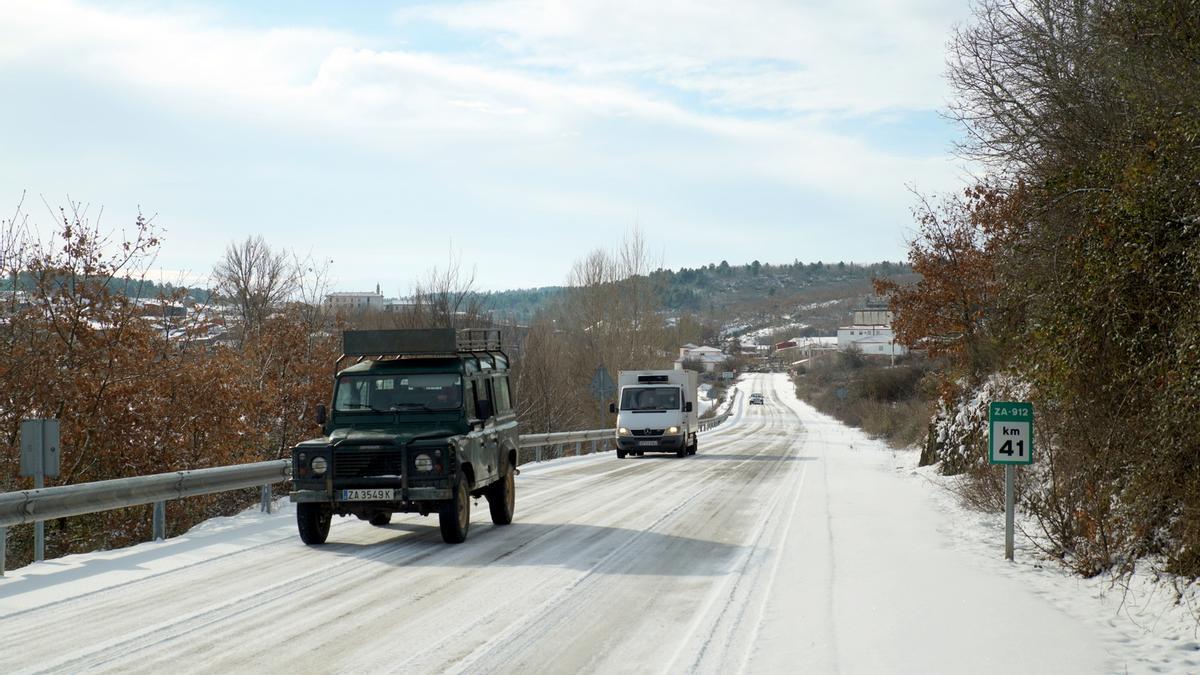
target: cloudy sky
519 134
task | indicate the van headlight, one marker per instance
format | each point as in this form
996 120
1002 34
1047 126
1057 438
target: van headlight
671 431
319 465
622 431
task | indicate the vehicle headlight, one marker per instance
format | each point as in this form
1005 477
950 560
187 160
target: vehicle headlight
319 465
671 431
423 462
622 431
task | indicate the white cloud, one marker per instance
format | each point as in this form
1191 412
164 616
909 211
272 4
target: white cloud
859 57
579 99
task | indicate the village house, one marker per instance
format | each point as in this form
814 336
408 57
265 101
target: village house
870 333
710 357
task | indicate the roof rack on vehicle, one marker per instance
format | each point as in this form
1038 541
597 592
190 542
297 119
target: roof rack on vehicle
415 343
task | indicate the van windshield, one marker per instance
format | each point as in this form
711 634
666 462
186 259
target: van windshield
650 398
398 392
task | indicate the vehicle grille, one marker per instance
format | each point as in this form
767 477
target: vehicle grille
647 432
371 463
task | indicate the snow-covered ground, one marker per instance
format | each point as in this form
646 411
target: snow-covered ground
790 543
755 336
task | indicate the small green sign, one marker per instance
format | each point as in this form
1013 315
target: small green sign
1010 432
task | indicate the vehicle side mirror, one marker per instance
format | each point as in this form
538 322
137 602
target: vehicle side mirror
321 414
687 407
612 407
484 409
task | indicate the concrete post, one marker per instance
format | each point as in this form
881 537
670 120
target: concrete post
267 498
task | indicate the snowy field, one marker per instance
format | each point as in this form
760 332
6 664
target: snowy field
788 544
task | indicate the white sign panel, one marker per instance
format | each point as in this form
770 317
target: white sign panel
1010 442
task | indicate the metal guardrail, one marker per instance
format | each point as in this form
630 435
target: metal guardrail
709 423
563 444
29 506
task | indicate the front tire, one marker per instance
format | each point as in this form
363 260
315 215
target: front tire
502 499
380 519
454 518
620 454
313 521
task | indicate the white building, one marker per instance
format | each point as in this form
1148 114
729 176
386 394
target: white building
355 301
711 357
871 333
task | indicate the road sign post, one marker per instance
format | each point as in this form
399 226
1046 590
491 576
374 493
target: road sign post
1010 443
39 459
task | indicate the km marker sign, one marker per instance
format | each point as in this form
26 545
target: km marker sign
1010 442
1010 427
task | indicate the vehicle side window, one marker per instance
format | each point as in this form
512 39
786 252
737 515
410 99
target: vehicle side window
503 401
469 398
483 391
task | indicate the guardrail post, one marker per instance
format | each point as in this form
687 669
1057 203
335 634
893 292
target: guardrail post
3 547
160 521
267 498
39 541
578 448
537 454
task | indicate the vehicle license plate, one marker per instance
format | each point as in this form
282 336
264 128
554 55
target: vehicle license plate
370 495
647 442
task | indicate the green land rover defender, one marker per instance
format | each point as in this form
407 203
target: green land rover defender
421 421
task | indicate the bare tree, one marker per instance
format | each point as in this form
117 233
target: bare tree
256 278
1034 83
444 298
14 246
312 288
447 297
547 397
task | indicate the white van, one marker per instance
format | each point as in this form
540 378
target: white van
657 412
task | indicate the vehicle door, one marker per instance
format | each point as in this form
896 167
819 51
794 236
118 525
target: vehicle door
487 461
506 418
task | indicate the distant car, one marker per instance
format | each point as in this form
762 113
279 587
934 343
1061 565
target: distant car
756 399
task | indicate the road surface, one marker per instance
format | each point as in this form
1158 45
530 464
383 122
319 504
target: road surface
788 544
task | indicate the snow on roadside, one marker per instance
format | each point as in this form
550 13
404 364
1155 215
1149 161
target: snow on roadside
1150 626
1141 627
80 574
1156 617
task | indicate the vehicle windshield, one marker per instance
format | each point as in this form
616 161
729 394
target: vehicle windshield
650 398
398 392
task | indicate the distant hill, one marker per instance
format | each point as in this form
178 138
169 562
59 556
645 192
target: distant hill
721 290
130 288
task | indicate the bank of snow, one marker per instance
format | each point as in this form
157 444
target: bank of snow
1150 623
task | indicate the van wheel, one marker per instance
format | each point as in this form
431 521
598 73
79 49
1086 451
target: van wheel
502 499
620 454
454 516
381 518
313 522
682 451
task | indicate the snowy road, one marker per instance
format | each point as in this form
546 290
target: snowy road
788 544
